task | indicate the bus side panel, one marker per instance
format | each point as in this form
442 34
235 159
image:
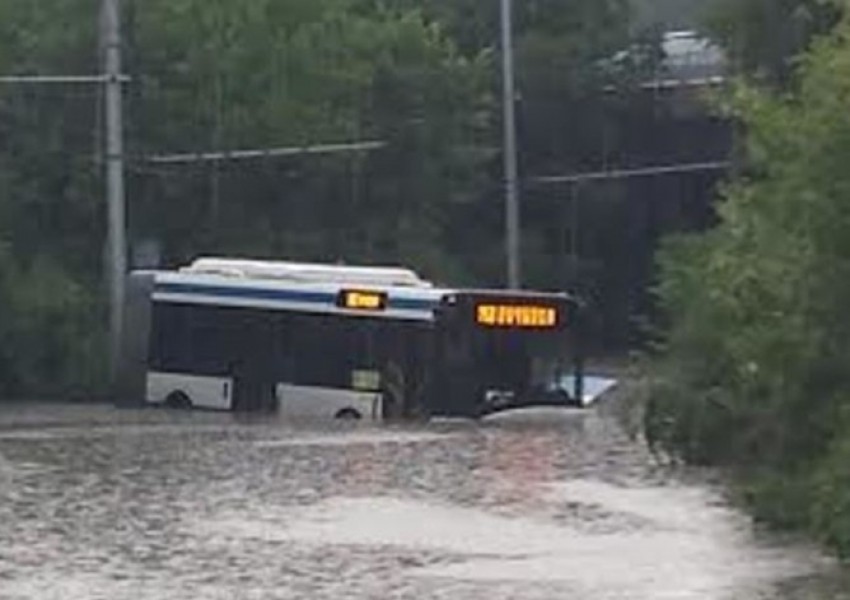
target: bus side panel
315 402
212 393
131 379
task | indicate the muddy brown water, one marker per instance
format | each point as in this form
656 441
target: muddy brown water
100 503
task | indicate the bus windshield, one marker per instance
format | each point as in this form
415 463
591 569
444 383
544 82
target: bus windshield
523 363
504 353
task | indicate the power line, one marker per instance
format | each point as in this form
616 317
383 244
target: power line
672 83
233 155
64 79
632 173
676 83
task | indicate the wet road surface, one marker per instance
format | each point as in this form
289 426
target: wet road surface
98 503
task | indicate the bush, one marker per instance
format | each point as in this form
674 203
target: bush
753 370
51 334
830 513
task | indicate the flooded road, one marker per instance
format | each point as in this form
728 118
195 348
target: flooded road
97 503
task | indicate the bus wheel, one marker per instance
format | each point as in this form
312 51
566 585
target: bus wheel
348 414
178 400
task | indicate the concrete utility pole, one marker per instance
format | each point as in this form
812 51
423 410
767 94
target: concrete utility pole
512 224
117 245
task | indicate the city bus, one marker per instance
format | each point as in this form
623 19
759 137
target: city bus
341 342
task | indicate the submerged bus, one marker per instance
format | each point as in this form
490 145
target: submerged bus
342 341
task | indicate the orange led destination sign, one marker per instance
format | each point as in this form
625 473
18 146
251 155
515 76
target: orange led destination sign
517 315
363 300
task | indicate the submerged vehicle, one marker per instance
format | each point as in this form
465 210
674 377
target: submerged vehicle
342 341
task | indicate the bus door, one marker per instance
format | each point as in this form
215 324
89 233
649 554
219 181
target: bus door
251 340
402 355
353 366
454 388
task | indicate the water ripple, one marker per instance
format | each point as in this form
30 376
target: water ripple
97 503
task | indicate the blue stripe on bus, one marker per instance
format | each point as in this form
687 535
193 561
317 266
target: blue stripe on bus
280 295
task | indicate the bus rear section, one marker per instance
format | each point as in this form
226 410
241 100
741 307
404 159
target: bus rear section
497 351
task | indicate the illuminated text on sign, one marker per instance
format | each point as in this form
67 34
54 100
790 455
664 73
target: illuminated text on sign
506 315
364 301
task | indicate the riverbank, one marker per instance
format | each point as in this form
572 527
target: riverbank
806 495
811 500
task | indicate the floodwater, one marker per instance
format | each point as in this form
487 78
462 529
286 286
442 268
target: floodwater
99 503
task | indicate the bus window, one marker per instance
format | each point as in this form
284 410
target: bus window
329 351
201 340
171 346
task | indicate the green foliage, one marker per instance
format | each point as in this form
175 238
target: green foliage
754 368
420 76
6 368
219 74
831 500
280 74
764 37
675 14
779 499
52 342
50 209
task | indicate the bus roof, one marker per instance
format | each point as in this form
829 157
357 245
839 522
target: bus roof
305 287
307 272
185 287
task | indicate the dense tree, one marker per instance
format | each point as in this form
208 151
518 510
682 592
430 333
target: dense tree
50 209
755 369
579 110
764 37
286 74
221 75
673 14
218 75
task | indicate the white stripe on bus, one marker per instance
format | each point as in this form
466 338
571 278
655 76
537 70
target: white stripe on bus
306 307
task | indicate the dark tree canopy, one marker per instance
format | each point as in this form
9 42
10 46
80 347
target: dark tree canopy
423 77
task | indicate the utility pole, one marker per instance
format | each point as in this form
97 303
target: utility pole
116 241
512 224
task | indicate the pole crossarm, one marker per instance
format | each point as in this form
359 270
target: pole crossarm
232 155
65 79
631 173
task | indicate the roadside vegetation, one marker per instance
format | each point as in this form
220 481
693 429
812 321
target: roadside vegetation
753 369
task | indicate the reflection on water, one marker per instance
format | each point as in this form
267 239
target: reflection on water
97 503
